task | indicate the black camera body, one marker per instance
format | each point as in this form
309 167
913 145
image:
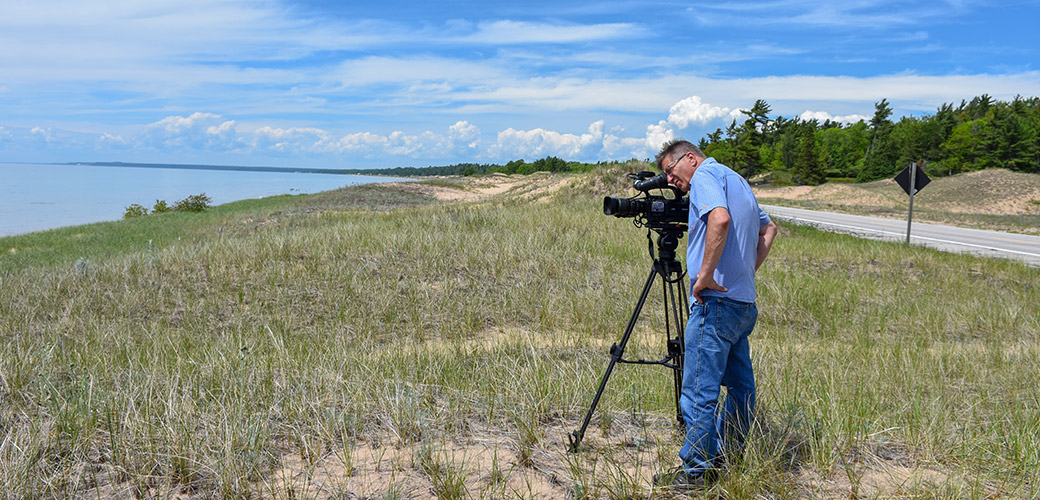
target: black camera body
657 212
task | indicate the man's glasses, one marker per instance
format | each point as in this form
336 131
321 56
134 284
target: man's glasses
668 169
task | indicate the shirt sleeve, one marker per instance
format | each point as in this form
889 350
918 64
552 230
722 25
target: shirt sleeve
706 192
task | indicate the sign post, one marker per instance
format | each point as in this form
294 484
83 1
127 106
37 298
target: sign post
912 180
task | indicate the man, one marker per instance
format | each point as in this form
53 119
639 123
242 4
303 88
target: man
730 237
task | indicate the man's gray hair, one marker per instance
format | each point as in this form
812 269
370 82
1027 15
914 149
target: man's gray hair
676 147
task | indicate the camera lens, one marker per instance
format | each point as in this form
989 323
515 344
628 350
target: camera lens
622 207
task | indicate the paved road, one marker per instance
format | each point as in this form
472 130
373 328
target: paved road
948 238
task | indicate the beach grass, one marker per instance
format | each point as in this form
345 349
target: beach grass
371 343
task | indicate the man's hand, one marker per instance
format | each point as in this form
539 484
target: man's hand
766 235
703 283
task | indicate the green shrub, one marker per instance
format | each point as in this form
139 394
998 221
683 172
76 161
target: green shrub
135 210
160 207
193 203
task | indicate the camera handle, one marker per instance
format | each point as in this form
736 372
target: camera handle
676 309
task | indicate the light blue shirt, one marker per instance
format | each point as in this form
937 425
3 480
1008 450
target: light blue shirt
715 185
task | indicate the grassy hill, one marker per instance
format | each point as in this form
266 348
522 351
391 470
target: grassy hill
440 339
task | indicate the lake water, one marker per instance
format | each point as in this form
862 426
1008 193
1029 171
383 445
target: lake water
35 197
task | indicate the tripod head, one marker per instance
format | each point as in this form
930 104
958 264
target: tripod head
665 262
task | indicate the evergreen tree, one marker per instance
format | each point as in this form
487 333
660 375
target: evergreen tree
749 139
1016 145
722 151
909 138
789 143
880 161
1032 126
808 168
977 108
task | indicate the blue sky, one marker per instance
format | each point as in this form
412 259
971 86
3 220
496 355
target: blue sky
386 84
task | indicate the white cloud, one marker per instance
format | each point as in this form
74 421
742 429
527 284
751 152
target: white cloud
289 140
516 32
205 131
211 132
464 134
861 14
43 134
657 135
401 144
109 140
462 138
363 143
682 114
694 110
539 142
823 116
617 148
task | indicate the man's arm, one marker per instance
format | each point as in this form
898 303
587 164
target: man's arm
714 241
765 242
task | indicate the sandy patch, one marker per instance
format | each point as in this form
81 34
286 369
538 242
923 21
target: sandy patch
786 192
509 465
537 186
486 465
842 194
439 192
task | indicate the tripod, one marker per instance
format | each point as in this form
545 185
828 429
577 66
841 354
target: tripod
676 309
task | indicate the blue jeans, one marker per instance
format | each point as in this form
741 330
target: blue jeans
717 354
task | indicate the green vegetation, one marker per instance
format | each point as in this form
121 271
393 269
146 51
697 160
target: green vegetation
135 210
193 203
977 134
366 342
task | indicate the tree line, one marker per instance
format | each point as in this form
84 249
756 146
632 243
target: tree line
522 167
977 134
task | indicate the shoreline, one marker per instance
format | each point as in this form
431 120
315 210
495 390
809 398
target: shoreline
232 168
41 202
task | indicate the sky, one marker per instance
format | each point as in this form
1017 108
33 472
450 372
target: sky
343 84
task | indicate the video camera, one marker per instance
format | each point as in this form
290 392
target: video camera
656 212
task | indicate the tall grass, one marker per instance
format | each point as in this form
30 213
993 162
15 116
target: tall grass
308 326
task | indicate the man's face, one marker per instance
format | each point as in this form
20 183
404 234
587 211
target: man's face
680 170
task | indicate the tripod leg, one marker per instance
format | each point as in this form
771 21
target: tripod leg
679 310
616 352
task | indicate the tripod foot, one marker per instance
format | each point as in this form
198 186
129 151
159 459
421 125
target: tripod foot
575 441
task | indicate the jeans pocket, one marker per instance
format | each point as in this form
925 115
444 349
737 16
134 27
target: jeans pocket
735 319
